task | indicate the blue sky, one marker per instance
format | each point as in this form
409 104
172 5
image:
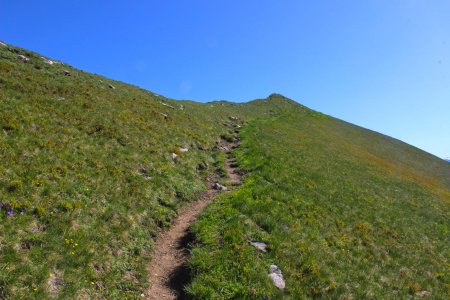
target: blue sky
384 65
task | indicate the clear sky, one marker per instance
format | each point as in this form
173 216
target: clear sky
384 65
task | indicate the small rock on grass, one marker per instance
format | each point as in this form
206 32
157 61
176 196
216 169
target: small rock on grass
23 58
423 294
277 277
260 246
174 156
218 186
183 149
47 61
165 104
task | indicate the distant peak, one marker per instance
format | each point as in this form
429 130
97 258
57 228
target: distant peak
275 95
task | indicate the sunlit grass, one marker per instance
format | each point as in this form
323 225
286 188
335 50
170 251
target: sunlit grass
87 176
341 218
87 180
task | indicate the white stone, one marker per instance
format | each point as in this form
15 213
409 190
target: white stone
218 186
277 277
47 61
23 57
260 246
167 105
423 294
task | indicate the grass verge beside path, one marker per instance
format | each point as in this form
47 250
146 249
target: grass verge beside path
340 218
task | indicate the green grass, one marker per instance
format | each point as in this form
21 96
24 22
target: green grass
90 179
343 218
87 182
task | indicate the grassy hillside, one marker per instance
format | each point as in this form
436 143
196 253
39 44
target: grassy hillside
346 213
87 175
88 178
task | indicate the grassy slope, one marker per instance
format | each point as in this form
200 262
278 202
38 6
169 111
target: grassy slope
326 195
90 179
347 213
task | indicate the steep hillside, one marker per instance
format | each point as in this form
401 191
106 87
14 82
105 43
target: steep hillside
87 174
91 169
346 213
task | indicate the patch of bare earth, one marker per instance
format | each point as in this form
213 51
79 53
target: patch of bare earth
54 283
167 272
233 175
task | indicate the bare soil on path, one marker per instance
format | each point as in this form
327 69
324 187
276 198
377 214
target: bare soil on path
168 274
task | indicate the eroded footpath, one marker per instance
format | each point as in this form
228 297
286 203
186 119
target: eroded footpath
167 272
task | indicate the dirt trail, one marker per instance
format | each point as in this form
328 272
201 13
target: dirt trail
167 272
234 178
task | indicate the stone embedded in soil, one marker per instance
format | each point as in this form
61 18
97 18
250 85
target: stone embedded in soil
23 58
423 294
47 61
218 186
260 246
165 104
277 277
